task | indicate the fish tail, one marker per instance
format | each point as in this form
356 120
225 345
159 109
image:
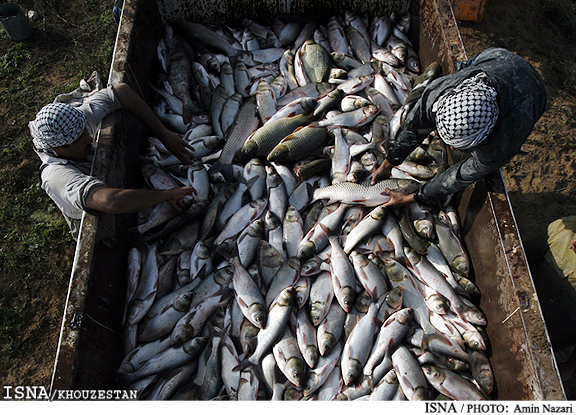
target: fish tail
226 169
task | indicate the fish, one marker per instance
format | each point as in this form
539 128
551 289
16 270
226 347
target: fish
247 214
180 79
278 316
287 269
245 123
316 61
371 196
145 293
293 231
358 345
306 337
302 141
248 294
331 329
197 32
288 357
451 384
343 277
263 140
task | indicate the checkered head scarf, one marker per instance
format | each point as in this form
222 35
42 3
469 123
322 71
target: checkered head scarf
466 115
56 125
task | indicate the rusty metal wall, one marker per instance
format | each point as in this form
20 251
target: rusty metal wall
208 10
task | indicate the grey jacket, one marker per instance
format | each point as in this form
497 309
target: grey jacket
521 100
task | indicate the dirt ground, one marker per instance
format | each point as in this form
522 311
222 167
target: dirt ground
541 183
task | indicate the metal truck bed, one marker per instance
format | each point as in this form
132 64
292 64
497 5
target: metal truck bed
90 347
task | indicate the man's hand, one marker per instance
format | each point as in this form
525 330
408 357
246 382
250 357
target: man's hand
176 195
382 172
114 200
135 105
573 245
176 145
398 198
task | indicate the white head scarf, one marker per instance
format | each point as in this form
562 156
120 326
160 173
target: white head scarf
56 125
466 115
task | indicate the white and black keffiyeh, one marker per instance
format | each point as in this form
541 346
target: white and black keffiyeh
55 125
466 115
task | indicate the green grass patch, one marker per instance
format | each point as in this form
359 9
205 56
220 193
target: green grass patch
11 321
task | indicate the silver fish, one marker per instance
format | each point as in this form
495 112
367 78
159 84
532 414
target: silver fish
202 34
313 90
247 214
341 159
337 37
358 345
255 168
170 358
369 275
410 375
287 68
278 316
248 294
451 384
324 366
265 101
145 293
343 278
365 228
293 228
331 329
288 357
352 193
306 337
389 337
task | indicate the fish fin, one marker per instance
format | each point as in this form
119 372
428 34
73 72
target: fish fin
369 379
226 169
251 182
324 229
202 272
245 364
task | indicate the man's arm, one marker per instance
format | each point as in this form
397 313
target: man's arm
114 200
136 106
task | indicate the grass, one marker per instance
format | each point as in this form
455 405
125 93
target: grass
36 249
11 320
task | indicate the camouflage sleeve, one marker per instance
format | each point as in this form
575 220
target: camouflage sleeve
455 178
413 129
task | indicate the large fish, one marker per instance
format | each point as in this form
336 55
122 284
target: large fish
301 142
196 32
181 79
263 140
245 123
353 193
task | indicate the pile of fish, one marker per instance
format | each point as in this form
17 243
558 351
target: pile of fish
285 277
